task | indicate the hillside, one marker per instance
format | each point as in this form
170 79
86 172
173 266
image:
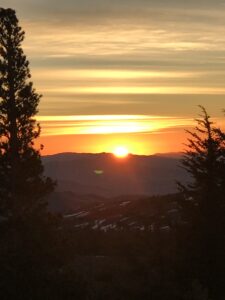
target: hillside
107 176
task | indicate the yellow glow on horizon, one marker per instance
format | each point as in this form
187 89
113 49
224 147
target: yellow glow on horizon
94 117
121 151
138 144
108 124
137 90
66 74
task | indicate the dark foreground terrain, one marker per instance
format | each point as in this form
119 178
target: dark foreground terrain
123 248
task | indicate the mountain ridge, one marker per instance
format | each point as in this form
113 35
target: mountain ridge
105 175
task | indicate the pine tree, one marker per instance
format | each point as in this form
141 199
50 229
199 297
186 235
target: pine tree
204 160
203 203
23 187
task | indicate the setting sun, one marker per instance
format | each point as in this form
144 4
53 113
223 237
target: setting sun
120 151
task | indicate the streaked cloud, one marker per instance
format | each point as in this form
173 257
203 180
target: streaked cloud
138 90
108 124
76 74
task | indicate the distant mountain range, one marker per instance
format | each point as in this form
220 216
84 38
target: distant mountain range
103 175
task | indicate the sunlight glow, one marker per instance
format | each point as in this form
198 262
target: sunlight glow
108 124
135 90
109 74
120 152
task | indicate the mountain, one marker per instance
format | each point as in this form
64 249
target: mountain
176 155
104 175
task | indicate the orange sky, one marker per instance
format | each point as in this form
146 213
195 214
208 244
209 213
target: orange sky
140 134
129 72
142 143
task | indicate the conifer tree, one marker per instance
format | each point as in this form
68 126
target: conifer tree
204 160
203 203
23 187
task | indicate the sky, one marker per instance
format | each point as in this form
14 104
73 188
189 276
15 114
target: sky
128 72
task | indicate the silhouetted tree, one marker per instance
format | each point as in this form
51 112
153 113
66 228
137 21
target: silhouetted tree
27 259
23 188
204 160
203 203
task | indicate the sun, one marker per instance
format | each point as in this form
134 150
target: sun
120 151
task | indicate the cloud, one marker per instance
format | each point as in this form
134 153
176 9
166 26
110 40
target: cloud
108 124
162 13
97 55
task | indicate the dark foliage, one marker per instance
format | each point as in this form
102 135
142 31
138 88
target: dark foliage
203 204
23 188
26 228
204 159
